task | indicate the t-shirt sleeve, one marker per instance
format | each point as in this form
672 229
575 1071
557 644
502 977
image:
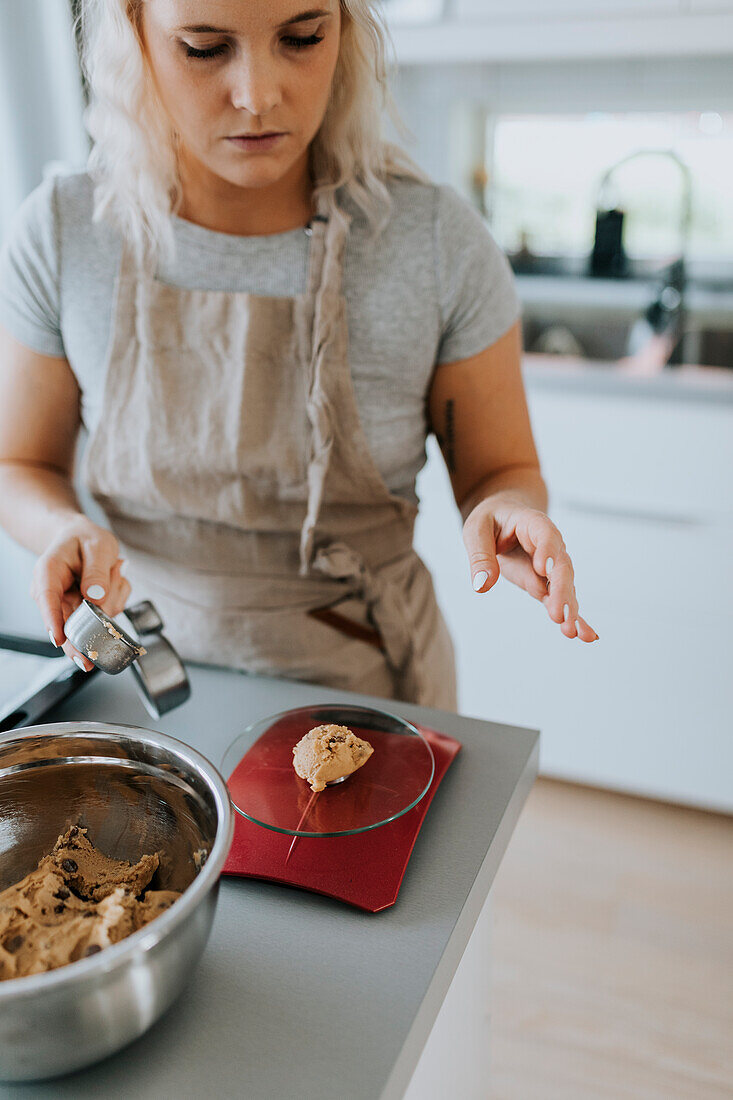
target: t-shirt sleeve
478 298
29 274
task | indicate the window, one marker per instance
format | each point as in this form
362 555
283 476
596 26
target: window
544 182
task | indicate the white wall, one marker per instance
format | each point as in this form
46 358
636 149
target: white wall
41 109
40 97
431 97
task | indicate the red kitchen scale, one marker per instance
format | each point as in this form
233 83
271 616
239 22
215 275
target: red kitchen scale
351 841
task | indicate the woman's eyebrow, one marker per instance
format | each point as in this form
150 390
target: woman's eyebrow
201 28
304 17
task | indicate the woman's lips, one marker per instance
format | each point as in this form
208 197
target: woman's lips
256 144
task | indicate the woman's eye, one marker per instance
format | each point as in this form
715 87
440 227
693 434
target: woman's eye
293 42
213 51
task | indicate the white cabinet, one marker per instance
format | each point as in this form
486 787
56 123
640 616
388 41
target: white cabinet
529 30
486 10
665 460
647 709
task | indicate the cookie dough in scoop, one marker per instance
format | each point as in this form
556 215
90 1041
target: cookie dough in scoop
327 753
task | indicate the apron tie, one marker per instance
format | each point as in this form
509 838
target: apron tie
387 608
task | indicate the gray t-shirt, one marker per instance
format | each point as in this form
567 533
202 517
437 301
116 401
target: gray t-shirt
433 288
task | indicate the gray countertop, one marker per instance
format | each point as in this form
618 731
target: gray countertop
298 995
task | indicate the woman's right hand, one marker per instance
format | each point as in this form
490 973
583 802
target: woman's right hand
83 559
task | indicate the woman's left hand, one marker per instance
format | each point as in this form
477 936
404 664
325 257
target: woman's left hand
508 538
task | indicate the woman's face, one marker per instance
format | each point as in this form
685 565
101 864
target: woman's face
227 70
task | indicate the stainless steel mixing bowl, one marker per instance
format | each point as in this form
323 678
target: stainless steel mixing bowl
137 791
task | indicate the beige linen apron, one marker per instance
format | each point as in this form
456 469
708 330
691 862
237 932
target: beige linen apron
232 465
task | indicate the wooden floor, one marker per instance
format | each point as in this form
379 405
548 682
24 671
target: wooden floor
613 952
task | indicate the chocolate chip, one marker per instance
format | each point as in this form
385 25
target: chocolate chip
59 908
93 949
88 913
14 943
70 866
63 893
74 830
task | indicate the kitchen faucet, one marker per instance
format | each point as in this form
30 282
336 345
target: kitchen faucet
664 315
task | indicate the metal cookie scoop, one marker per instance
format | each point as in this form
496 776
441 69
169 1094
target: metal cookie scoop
99 638
161 678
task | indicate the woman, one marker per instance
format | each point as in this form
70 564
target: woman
257 309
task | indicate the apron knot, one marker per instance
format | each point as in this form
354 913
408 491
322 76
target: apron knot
386 605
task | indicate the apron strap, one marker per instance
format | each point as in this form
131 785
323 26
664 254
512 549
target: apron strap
328 243
138 270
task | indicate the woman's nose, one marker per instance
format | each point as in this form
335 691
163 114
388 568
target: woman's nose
255 88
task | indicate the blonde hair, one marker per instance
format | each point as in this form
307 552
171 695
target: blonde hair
133 159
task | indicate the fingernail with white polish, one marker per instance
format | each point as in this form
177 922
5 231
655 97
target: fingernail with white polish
479 581
95 592
79 663
549 566
566 612
54 643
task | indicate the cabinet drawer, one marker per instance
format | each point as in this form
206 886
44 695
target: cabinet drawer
645 710
678 574
658 459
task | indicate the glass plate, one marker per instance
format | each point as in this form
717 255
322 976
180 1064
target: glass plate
265 789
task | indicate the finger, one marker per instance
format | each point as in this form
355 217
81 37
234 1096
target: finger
80 659
49 604
561 600
50 579
586 633
70 602
517 568
569 627
480 543
549 548
119 593
567 615
572 625
99 554
542 540
539 537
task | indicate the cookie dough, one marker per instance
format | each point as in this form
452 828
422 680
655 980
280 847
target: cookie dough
327 753
77 902
114 632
